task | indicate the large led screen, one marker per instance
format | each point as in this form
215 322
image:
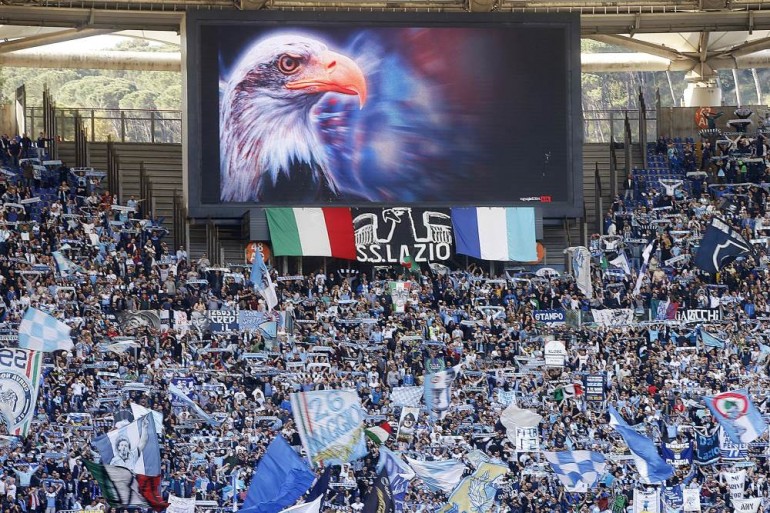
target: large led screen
303 112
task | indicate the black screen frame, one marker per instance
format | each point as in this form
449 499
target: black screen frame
194 177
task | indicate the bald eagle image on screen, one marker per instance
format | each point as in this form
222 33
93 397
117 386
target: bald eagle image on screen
269 144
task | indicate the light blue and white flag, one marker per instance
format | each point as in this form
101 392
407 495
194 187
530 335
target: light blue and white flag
406 396
139 411
330 424
439 476
739 418
438 390
651 467
39 331
577 470
133 446
262 281
399 474
180 395
710 340
65 266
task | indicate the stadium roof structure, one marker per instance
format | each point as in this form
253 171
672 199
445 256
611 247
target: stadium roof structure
698 36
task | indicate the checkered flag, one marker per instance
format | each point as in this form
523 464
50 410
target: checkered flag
577 470
41 332
406 396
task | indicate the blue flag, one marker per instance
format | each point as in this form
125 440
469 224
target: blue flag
739 418
262 281
399 474
281 478
710 340
651 467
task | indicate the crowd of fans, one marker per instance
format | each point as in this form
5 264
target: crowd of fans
126 283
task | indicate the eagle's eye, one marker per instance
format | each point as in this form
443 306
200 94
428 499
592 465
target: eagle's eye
288 64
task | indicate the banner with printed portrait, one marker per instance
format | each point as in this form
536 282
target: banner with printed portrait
691 499
394 235
330 424
133 446
19 382
407 423
646 501
399 294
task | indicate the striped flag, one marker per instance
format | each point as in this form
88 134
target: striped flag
123 488
504 234
379 434
312 232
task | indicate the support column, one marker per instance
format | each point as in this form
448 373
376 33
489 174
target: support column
702 91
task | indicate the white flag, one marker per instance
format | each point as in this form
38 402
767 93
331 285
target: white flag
746 505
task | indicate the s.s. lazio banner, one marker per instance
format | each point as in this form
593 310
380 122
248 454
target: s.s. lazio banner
19 382
390 235
707 448
330 424
552 316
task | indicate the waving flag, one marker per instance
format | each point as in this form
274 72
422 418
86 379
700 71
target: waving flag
134 446
399 473
477 492
739 418
379 434
719 247
380 498
577 470
262 281
649 249
438 389
406 396
330 424
123 488
280 479
709 340
184 400
39 331
439 476
651 467
19 384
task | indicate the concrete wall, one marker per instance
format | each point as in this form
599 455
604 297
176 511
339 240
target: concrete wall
8 119
680 121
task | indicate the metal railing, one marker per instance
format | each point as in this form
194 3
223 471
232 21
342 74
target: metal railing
121 125
600 125
165 126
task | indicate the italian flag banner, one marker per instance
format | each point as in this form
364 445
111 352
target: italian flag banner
312 232
123 488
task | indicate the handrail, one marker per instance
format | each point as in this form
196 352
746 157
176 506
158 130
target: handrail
598 200
627 141
643 128
165 126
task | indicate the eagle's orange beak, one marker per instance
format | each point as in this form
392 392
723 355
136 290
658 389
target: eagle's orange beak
335 73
